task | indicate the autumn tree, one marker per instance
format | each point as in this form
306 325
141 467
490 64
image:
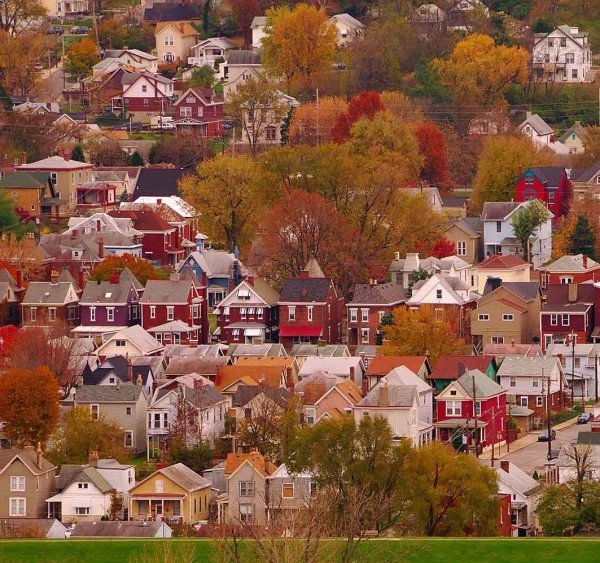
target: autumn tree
365 105
420 332
19 55
313 122
20 255
298 44
443 248
79 434
582 238
243 12
225 190
402 107
80 57
183 150
591 148
8 214
432 146
526 221
8 335
17 16
139 267
114 33
254 106
501 161
106 152
479 72
29 404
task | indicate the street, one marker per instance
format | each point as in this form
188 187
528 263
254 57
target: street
49 88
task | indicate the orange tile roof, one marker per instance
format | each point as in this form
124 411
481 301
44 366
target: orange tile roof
228 375
501 262
382 365
350 390
267 361
262 465
312 392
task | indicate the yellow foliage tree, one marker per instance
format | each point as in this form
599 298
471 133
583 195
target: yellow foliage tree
479 72
402 107
312 122
81 57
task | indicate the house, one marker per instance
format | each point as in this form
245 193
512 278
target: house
562 55
199 111
380 366
449 368
428 20
585 442
249 314
237 351
109 306
401 269
508 268
245 499
157 182
574 138
65 175
586 181
143 94
467 237
10 298
350 368
471 412
348 29
258 31
239 67
229 378
462 14
568 269
66 8
500 351
507 313
131 341
549 184
124 404
374 302
290 363
34 193
210 52
303 351
310 309
532 381
132 57
568 310
97 196
524 492
118 529
499 233
430 194
489 123
445 294
202 365
174 40
327 396
288 492
541 134
26 481
20 528
580 360
252 401
175 301
46 303
175 493
192 394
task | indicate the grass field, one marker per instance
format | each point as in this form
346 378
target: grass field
414 550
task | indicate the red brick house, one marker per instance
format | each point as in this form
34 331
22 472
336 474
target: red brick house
310 309
175 312
369 305
549 184
569 308
46 303
472 411
570 269
200 112
143 93
249 314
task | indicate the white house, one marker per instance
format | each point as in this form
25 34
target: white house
132 341
113 58
563 55
345 367
441 290
586 445
404 376
541 133
585 365
239 67
348 29
209 51
401 269
499 234
258 31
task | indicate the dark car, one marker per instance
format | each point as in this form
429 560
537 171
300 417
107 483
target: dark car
80 30
543 437
55 31
584 418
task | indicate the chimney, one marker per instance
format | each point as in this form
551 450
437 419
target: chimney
352 373
505 465
74 233
38 458
80 279
528 115
19 280
572 292
93 458
304 274
101 246
114 278
262 384
384 395
585 261
23 157
54 276
129 371
118 384
396 256
364 387
98 225
289 378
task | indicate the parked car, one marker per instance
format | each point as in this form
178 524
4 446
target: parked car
80 30
543 437
584 418
55 31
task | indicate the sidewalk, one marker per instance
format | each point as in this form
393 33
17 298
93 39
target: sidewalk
527 440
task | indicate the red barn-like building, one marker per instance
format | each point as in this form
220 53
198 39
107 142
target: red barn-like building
200 112
549 184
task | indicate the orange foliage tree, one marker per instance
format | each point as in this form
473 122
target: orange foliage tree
365 105
140 268
432 146
29 404
312 123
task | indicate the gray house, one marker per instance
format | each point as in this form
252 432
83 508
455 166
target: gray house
288 492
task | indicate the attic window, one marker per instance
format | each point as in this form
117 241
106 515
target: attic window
243 293
452 392
107 295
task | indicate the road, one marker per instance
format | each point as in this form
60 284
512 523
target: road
533 456
49 89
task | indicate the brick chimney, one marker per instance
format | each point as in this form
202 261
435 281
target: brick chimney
304 274
19 279
364 387
289 378
93 458
352 373
101 246
505 465
384 395
80 279
114 278
38 458
585 261
262 384
129 371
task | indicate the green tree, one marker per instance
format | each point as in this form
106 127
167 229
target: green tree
8 215
136 159
5 100
77 154
526 222
414 277
583 238
197 457
203 76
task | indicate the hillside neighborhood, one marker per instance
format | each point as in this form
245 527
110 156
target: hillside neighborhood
299 270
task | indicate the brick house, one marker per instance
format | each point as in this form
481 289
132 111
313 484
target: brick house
46 303
549 184
249 314
143 94
200 112
570 269
181 302
370 303
471 412
310 309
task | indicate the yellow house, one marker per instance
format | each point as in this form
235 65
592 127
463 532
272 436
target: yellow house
174 41
507 267
32 192
174 493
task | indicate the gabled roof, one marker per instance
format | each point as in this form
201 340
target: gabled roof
245 393
214 263
24 180
173 202
70 474
326 350
399 396
258 21
243 57
576 129
119 529
255 350
261 464
219 42
47 293
203 397
453 367
483 385
550 176
450 284
139 337
184 477
527 291
571 263
538 124
337 366
381 294
498 210
183 28
515 366
273 376
106 292
144 220
515 479
54 163
120 366
180 365
502 262
586 174
382 365
258 286
28 456
158 182
167 291
124 393
472 226
305 290
348 20
404 376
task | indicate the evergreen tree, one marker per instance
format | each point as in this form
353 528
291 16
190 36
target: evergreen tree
136 159
77 153
5 99
583 239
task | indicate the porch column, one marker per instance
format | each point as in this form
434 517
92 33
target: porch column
163 507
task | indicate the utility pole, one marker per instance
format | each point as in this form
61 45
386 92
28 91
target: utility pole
475 417
549 456
596 376
494 419
507 420
573 336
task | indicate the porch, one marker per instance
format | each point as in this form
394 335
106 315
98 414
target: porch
157 506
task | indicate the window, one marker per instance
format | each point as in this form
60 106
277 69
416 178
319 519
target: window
152 311
353 315
381 315
33 314
185 112
146 102
563 41
200 112
82 510
170 313
535 382
246 513
364 335
553 319
246 488
159 486
112 380
513 381
17 506
364 315
129 439
550 42
483 317
577 362
453 408
569 58
539 401
498 226
497 340
169 40
52 313
550 197
508 317
574 73
271 133
128 411
17 483
461 248
120 343
310 416
438 293
477 408
309 314
565 319
83 485
95 410
92 314
53 178
144 88
287 490
524 401
110 314
292 313
312 488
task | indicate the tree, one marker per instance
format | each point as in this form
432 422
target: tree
29 404
582 238
298 43
135 159
139 267
203 76
479 72
432 146
526 221
313 122
591 148
501 161
17 16
20 255
80 57
18 58
443 248
77 154
198 457
183 150
80 433
365 105
422 332
114 33
225 191
106 152
8 214
243 12
414 277
5 101
402 107
8 335
254 106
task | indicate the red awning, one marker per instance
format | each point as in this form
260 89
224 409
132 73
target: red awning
301 330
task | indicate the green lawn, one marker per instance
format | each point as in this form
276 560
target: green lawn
418 550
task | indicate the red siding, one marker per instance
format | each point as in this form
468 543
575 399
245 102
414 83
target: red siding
559 206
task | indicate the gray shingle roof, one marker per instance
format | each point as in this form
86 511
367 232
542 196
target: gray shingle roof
203 397
243 57
125 393
185 477
484 386
382 294
473 226
528 291
305 290
82 473
167 291
106 292
116 529
549 175
516 365
497 210
181 365
540 126
245 393
570 263
399 396
41 293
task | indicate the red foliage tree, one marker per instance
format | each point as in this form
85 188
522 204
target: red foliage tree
8 335
432 145
243 12
140 268
443 248
366 104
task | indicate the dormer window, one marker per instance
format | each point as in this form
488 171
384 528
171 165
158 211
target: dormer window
243 293
438 293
